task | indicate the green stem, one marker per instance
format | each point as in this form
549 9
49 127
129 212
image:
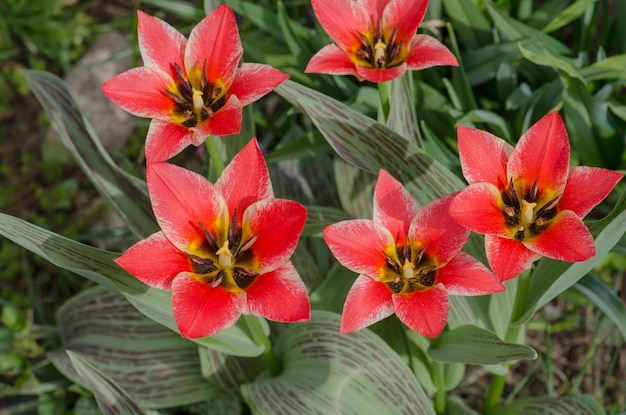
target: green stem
384 99
512 333
216 159
259 337
440 394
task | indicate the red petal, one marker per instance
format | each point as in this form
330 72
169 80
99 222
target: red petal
507 257
279 295
380 75
226 121
395 15
394 207
476 208
254 80
425 312
368 301
434 227
155 261
141 91
464 275
181 200
165 140
567 238
245 180
586 187
342 19
200 310
542 154
427 52
359 244
160 44
278 224
331 60
484 156
215 45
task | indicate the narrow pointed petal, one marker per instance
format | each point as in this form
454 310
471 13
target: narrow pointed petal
507 257
380 75
279 295
567 239
254 80
484 156
368 301
215 41
182 200
154 261
426 52
434 227
278 224
141 91
226 121
342 20
246 179
165 140
425 312
331 60
160 44
394 207
200 310
395 15
586 187
477 208
542 154
464 275
359 244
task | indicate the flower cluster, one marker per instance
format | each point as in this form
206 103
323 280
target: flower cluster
224 249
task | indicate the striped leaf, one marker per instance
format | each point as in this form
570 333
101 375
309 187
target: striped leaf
567 405
326 372
97 265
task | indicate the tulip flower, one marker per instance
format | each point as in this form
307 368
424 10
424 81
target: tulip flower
527 200
375 40
409 260
223 249
191 89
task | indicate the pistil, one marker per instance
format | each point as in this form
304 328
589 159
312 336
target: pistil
224 256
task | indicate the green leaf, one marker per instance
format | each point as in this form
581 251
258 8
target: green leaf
468 20
482 65
537 53
355 187
108 331
402 117
111 398
605 299
370 145
571 13
606 69
126 194
473 345
566 405
456 406
327 372
551 277
97 265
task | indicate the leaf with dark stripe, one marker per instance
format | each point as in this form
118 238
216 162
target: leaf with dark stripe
402 116
566 405
126 194
326 372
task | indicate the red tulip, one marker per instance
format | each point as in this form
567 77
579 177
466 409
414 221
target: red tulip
193 88
375 40
527 200
409 260
223 249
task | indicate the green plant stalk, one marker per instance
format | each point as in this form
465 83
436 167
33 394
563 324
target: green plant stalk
440 394
498 382
216 159
259 337
384 100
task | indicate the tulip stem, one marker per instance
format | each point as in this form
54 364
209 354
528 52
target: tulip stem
512 333
384 99
439 378
259 337
216 158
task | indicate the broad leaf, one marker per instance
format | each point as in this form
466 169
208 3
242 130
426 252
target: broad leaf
571 13
327 372
98 266
154 365
126 194
473 345
566 405
111 398
605 299
470 23
402 118
536 52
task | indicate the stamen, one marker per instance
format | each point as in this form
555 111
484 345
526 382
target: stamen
224 256
218 279
248 243
531 195
209 237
